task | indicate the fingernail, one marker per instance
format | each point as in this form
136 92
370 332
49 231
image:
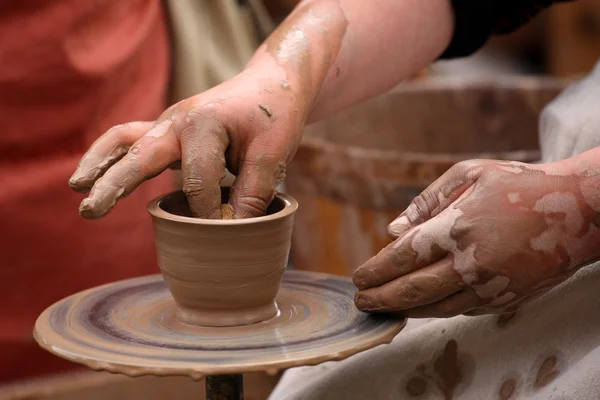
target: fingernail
360 302
86 209
79 182
359 281
73 182
76 183
363 303
90 209
360 284
399 226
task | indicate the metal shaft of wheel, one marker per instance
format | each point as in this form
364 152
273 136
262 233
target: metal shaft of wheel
225 387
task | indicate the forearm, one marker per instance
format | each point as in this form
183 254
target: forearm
335 53
583 171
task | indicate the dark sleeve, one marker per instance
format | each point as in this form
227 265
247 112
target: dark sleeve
476 20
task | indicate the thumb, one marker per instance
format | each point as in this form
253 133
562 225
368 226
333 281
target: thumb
438 196
256 184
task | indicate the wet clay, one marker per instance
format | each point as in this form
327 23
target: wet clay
227 212
222 272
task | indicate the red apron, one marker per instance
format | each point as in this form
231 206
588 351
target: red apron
69 70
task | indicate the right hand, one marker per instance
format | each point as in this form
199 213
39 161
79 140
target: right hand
251 124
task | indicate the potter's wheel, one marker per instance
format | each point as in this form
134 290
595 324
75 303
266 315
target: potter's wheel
129 327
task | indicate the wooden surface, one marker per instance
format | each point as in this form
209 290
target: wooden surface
90 385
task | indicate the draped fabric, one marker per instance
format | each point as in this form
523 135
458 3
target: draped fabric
69 70
547 350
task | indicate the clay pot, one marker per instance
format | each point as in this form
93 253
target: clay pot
222 272
357 170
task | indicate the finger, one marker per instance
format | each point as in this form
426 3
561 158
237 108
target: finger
417 249
147 158
257 182
203 165
438 196
426 286
457 304
106 151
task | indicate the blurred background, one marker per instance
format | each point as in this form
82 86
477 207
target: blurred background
349 189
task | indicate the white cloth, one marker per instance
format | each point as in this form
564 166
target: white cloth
548 349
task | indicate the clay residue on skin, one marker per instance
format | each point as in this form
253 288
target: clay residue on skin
306 46
160 129
565 204
514 197
513 218
266 109
511 169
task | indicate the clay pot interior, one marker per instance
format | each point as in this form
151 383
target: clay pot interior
176 203
222 272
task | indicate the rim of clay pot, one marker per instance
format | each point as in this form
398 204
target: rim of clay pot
154 208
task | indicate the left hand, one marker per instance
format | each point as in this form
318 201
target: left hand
484 238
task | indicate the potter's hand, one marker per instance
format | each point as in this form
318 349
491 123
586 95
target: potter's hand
326 56
485 237
251 123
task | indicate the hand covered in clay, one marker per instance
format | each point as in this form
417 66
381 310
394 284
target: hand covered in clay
326 56
252 124
484 238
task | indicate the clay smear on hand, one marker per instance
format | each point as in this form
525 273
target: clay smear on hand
517 231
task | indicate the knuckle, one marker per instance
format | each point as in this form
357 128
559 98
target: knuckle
193 187
252 205
135 150
215 156
462 167
421 206
204 111
117 133
410 293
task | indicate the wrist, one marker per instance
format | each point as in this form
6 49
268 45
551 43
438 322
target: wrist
580 177
305 48
300 93
583 164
